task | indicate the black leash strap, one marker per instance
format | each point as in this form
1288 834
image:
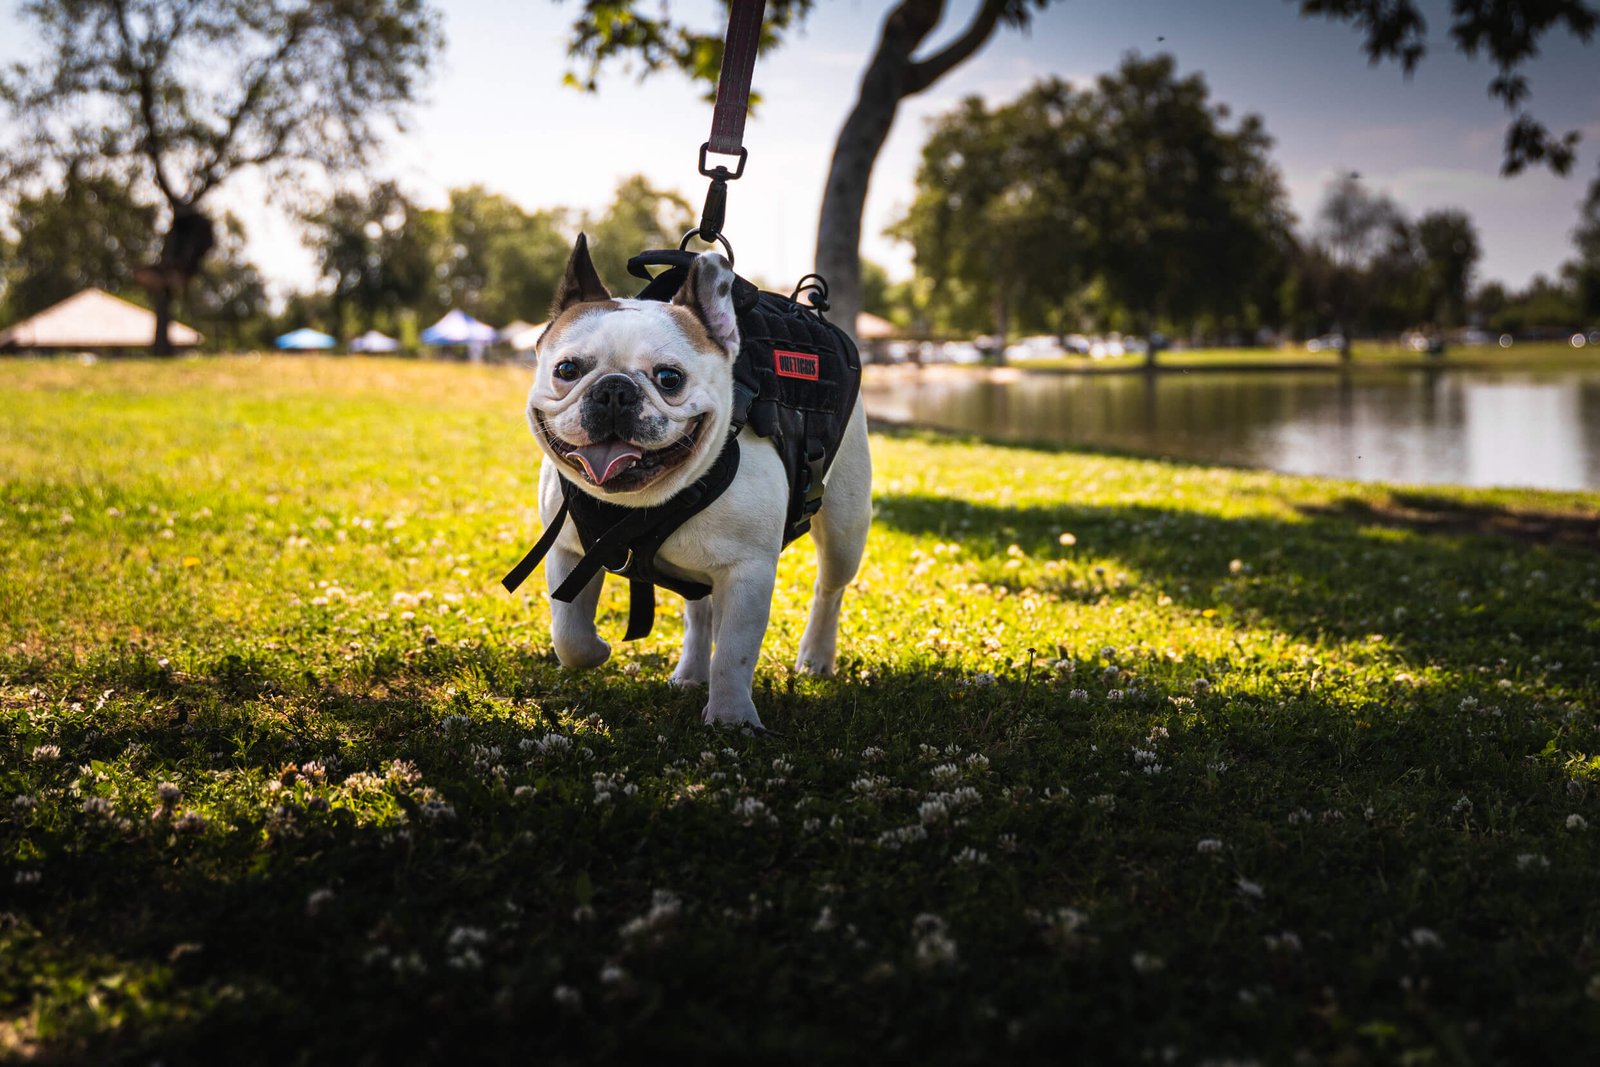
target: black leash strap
733 82
727 120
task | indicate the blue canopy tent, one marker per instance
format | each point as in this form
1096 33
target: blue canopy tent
304 340
459 328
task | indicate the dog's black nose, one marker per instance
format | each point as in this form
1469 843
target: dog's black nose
616 392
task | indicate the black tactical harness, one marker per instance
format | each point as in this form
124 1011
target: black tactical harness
795 382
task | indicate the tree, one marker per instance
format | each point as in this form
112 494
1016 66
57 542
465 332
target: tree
640 216
1361 240
373 251
89 232
492 259
228 300
1448 244
1508 31
174 99
1133 195
1584 271
611 29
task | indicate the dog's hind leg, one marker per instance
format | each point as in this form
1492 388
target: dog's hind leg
840 531
694 662
572 631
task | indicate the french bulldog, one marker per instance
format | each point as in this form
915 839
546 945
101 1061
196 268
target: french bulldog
631 402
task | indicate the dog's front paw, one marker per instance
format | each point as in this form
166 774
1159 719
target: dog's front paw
815 665
686 677
736 713
578 655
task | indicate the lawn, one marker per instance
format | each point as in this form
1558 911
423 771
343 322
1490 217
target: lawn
1127 760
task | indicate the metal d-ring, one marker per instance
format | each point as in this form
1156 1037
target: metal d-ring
623 569
721 239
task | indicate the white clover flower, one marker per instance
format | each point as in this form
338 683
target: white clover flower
468 959
1288 941
24 802
191 822
1078 694
1109 652
872 753
27 878
612 974
1462 806
1577 822
553 744
1147 963
1207 845
466 937
168 793
524 792
317 900
811 826
97 806
1249 888
46 753
905 835
566 996
945 772
1143 756
1422 937
1200 686
970 857
934 948
978 761
1115 694
1531 861
749 809
825 921
984 679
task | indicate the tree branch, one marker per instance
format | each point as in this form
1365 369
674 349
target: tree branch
152 143
925 72
247 104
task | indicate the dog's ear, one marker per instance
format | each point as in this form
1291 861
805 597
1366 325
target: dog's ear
581 284
708 292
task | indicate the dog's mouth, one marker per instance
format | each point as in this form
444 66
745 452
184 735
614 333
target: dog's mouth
619 466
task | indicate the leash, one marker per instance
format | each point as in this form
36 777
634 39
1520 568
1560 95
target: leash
739 48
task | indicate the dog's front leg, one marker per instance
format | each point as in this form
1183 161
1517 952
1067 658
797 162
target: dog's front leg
694 662
578 643
740 606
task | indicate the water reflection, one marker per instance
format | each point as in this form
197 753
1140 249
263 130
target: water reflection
1476 428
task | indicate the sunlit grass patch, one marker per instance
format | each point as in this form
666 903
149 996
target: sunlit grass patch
1134 758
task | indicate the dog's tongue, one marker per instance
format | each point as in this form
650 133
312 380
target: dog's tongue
604 460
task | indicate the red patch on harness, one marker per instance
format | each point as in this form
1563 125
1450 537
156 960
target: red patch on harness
795 364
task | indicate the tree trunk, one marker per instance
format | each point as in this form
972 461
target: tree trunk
162 297
891 76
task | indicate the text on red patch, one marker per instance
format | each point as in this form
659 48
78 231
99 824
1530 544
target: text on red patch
794 364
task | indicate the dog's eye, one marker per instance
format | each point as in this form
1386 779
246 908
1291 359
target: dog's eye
567 370
670 379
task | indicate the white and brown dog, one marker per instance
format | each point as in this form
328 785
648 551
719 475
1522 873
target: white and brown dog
631 402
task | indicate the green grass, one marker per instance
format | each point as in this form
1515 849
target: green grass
1368 355
1246 768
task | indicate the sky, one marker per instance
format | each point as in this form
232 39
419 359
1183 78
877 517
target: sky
496 113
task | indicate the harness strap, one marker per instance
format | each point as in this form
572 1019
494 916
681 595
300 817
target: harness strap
628 541
519 574
733 83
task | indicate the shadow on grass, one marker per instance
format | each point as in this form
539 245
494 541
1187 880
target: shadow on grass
1449 597
1435 513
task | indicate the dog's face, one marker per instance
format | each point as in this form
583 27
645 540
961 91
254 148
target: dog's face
632 398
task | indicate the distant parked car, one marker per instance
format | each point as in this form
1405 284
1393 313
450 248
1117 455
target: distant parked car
1043 346
960 352
1328 342
1109 348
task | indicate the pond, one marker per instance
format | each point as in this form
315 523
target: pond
1424 427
